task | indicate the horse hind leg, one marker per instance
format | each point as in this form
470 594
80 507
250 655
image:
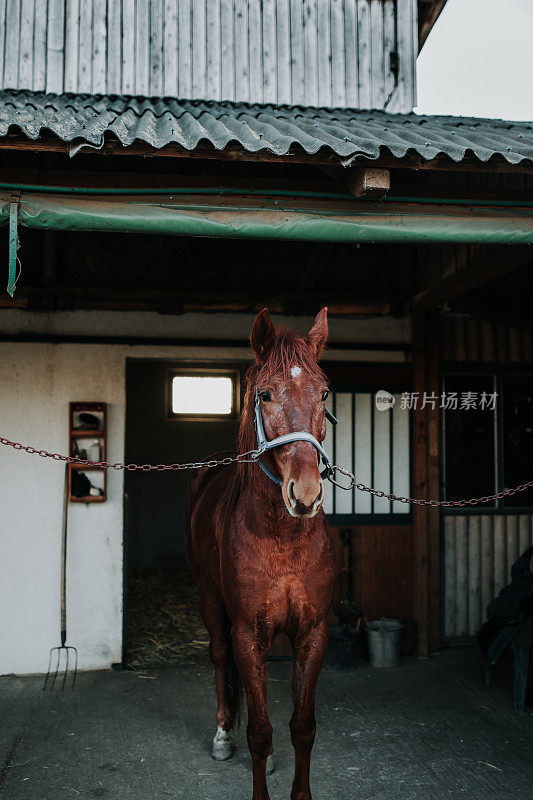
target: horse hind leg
226 675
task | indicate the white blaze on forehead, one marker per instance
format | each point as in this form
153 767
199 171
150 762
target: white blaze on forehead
295 371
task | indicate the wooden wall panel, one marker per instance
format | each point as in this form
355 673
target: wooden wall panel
383 573
301 52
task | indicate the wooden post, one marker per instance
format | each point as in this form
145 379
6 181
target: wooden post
426 601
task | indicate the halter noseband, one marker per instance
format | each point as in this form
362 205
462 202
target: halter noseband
296 436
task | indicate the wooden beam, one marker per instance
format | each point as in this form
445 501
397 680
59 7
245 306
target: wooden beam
426 484
428 20
499 261
173 301
296 155
367 182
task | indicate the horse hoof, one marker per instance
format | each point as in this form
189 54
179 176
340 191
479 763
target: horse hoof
222 745
271 764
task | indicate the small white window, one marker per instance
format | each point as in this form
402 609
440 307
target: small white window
195 395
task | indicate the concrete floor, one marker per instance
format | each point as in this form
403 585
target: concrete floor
427 729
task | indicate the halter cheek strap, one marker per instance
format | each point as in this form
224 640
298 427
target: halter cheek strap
296 436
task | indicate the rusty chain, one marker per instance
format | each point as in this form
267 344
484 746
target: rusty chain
251 456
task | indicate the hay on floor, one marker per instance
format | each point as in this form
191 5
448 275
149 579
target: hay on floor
163 623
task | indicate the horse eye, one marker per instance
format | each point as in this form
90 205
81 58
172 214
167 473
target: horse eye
265 395
325 395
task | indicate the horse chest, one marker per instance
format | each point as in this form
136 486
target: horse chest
283 588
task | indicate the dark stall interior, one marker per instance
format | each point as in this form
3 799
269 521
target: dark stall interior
162 618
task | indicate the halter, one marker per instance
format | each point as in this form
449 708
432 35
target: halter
296 436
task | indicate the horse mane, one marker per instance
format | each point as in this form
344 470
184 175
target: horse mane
288 349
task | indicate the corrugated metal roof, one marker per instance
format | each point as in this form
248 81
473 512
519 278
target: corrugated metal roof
346 132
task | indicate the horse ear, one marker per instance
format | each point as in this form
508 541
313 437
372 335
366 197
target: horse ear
317 336
262 337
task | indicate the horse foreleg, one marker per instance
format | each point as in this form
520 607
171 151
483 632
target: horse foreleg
251 660
309 653
212 610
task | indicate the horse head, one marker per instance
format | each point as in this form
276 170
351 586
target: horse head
292 390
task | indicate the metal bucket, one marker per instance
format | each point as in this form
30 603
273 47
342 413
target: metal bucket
384 641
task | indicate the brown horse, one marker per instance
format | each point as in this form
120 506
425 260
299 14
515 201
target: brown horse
262 554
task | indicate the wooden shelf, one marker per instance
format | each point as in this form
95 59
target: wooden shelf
75 434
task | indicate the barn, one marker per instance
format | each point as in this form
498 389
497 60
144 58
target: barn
167 171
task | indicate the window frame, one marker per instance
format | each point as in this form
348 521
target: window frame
498 373
198 371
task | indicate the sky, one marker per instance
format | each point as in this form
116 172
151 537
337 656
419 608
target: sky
478 61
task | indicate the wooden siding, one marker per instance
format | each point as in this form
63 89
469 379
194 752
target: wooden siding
302 52
477 339
382 574
479 550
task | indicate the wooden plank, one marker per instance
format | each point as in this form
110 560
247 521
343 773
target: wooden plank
227 53
114 48
389 49
450 588
85 61
310 52
377 67
55 46
364 77
72 45
2 39
420 513
367 182
382 463
12 43
156 48
401 458
213 55
128 47
142 47
461 566
405 9
185 49
324 54
27 16
351 53
270 67
198 52
487 562
500 560
344 447
242 76
283 49
100 46
297 53
474 574
383 574
338 54
255 48
489 266
324 157
170 50
363 451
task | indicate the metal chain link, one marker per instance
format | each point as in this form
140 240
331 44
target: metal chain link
473 501
251 456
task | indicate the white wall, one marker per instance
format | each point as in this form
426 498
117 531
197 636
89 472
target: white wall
37 381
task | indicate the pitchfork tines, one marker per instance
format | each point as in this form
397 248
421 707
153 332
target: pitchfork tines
69 656
63 653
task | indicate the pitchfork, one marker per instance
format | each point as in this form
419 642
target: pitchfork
70 653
